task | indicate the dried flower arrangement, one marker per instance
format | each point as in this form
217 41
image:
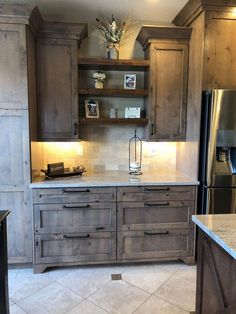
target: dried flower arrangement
110 31
99 76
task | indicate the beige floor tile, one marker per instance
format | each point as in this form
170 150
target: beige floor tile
15 309
86 281
179 292
23 283
149 278
188 273
119 297
54 299
86 307
155 305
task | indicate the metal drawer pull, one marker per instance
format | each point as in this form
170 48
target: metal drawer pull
155 233
75 191
100 228
156 189
76 207
76 237
157 204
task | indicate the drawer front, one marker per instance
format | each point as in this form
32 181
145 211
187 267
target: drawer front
80 247
154 244
154 215
74 195
155 193
74 217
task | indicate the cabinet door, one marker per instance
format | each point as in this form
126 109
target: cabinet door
57 88
168 91
14 183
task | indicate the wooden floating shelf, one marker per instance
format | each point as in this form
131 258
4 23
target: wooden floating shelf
110 92
113 65
105 121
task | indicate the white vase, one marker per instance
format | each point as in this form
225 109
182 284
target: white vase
113 51
98 84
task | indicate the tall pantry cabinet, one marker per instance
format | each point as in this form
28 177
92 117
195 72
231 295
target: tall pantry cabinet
17 96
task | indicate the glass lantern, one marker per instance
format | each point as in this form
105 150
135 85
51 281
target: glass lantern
135 155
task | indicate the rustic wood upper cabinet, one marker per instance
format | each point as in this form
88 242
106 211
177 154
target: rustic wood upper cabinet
57 80
167 49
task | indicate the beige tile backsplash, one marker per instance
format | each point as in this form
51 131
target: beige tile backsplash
107 148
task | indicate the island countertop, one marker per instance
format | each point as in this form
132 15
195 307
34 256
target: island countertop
117 178
221 228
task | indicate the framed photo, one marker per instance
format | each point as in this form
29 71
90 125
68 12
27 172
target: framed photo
91 108
132 112
130 81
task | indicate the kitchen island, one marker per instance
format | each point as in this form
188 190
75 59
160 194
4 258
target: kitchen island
216 266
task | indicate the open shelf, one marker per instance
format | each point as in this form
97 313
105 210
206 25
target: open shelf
106 121
110 92
113 65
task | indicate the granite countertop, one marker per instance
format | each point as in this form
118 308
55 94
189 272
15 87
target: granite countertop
221 228
117 178
3 214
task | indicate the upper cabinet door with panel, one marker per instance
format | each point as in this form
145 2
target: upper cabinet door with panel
57 83
167 50
168 85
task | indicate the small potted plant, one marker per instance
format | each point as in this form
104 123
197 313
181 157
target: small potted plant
99 77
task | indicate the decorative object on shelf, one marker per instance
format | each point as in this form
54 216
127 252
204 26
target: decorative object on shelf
57 170
112 33
130 81
135 155
113 113
99 77
91 108
132 112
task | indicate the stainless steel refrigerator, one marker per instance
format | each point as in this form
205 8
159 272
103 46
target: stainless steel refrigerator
217 159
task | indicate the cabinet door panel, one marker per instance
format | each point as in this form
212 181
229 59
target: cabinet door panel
75 247
74 217
154 244
155 215
57 83
13 67
168 85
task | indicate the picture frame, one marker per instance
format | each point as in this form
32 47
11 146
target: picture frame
133 112
91 108
130 81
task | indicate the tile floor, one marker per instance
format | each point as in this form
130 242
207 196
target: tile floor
158 288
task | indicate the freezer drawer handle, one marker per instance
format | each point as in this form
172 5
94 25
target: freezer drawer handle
156 189
157 204
100 228
76 207
75 191
155 233
76 236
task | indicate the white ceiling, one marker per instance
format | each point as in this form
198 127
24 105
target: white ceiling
157 11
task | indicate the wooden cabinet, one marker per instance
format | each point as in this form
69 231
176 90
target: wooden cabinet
57 80
104 224
155 223
167 50
74 225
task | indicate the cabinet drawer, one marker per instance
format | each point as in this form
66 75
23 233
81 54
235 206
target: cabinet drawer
74 217
74 195
79 247
156 193
154 244
155 215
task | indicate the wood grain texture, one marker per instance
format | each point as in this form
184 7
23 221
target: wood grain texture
57 85
162 32
113 92
216 278
73 195
75 247
74 217
154 244
154 215
107 121
13 67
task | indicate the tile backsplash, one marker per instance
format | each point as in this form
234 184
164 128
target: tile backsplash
107 148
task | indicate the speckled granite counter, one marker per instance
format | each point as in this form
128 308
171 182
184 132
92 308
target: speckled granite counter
221 228
117 178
